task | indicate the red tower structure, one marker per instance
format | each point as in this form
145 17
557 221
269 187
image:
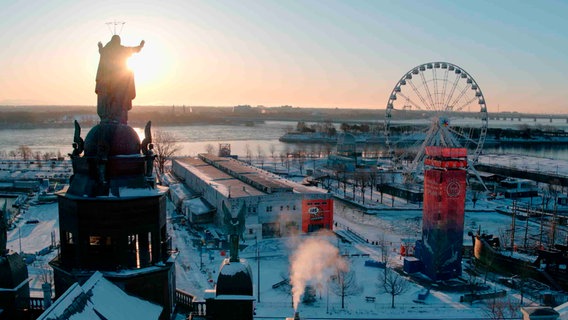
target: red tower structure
443 212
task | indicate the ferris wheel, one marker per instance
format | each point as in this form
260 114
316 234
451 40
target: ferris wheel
434 104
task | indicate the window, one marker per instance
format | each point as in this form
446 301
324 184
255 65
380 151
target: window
95 240
294 207
100 241
134 249
69 238
269 209
150 245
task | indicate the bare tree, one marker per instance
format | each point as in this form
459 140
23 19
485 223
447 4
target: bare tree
25 152
209 148
502 308
165 147
326 182
549 192
473 283
272 150
285 287
248 153
372 180
393 284
505 236
48 155
13 154
37 156
362 181
45 273
300 157
344 284
385 248
382 185
260 155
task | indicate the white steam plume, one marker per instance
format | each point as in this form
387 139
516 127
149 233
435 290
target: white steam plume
315 259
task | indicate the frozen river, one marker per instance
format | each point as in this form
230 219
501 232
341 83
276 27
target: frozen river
194 139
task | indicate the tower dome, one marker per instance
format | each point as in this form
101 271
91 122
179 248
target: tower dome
235 278
112 139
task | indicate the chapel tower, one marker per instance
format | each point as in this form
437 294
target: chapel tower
112 217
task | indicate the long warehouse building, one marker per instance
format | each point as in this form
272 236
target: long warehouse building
274 206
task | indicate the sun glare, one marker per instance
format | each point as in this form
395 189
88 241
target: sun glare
148 66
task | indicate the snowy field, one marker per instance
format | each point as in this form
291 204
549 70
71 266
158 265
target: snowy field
274 264
394 225
276 254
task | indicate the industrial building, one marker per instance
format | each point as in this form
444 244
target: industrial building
274 206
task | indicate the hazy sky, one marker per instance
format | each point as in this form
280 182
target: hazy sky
303 53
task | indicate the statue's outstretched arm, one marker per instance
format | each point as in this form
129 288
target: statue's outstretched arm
138 48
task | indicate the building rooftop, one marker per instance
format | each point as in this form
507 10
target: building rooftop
237 179
253 176
99 298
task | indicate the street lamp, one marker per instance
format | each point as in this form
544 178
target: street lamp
327 304
257 269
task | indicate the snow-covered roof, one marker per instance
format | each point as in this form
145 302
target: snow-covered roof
231 269
239 179
562 311
99 298
198 206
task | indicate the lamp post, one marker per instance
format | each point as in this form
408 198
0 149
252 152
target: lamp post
201 257
257 269
327 304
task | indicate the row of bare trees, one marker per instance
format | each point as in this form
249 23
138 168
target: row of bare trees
360 181
25 153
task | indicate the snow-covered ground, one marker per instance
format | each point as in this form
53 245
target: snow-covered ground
275 263
275 254
544 165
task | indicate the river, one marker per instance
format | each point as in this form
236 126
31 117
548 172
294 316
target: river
194 139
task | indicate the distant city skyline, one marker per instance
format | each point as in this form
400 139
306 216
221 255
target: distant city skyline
344 54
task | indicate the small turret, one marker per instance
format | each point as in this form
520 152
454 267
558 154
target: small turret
3 230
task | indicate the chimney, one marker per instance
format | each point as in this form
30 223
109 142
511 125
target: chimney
46 287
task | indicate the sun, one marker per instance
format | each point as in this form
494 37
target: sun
149 66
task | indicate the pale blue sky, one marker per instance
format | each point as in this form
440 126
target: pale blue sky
302 53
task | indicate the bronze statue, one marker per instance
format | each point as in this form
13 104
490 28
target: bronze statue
78 142
115 82
235 225
147 138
